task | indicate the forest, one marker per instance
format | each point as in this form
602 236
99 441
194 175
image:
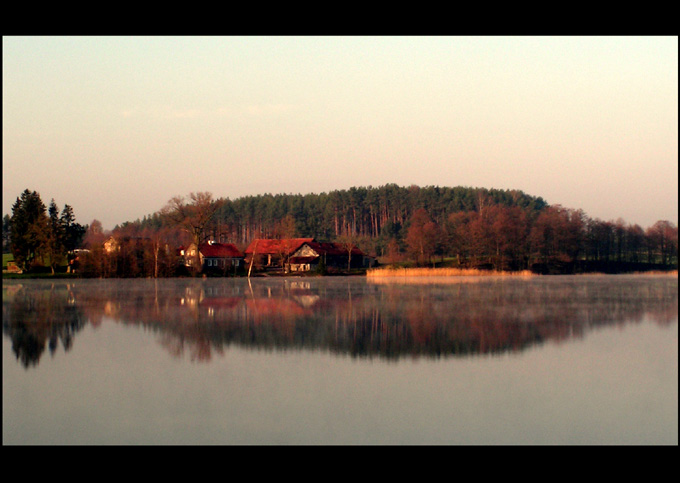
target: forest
466 227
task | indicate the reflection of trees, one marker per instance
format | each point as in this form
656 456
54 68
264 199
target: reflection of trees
345 316
36 319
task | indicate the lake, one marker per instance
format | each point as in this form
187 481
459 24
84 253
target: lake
567 360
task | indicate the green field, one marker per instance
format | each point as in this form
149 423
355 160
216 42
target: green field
6 257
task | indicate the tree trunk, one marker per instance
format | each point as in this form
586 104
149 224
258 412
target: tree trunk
252 257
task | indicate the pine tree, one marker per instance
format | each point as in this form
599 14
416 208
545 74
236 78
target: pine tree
55 237
6 230
73 232
29 229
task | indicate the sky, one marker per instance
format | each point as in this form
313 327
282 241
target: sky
116 126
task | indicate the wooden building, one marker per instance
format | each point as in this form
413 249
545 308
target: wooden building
332 255
271 253
214 256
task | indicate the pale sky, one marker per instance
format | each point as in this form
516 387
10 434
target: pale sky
116 126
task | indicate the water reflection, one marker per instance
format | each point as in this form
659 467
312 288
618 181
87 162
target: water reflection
348 316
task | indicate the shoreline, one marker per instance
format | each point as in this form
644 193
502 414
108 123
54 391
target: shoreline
373 274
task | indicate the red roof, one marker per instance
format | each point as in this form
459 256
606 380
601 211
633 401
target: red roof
220 250
276 246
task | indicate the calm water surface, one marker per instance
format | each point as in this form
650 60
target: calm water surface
538 360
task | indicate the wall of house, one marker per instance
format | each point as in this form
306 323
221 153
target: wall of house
301 267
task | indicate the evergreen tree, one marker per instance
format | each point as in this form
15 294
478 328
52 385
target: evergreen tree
6 230
55 237
73 233
29 229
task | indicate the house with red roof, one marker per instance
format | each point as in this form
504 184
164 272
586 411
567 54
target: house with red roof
311 253
273 252
214 256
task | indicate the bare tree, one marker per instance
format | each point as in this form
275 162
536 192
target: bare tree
349 241
286 228
285 231
663 236
423 236
193 216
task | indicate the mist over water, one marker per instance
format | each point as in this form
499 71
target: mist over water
341 360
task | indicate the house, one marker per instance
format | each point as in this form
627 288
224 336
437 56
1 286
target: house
311 253
214 256
111 245
116 244
12 267
75 258
271 253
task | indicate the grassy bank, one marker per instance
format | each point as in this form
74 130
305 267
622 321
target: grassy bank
49 276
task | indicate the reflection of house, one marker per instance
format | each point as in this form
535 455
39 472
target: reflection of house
214 256
271 252
311 253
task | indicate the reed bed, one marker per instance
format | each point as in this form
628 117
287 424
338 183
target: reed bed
425 275
442 272
672 273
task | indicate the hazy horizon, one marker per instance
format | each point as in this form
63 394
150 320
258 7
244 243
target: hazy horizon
116 126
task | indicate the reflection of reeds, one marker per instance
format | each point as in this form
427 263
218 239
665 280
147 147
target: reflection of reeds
442 272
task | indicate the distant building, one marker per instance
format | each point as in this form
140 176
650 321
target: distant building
12 267
111 245
214 256
273 253
75 259
115 243
312 253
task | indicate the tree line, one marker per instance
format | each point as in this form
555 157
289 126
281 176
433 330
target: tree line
460 226
553 240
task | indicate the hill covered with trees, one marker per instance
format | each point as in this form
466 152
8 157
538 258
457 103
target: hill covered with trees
478 227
